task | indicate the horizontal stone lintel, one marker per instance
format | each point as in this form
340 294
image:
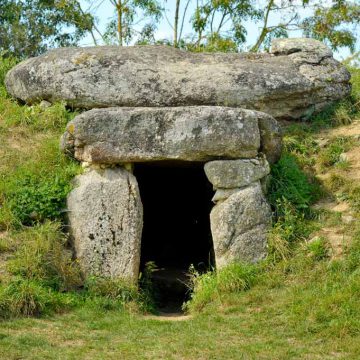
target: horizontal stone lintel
195 133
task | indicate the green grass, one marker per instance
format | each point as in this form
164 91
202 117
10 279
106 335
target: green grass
333 150
289 182
299 309
298 304
210 287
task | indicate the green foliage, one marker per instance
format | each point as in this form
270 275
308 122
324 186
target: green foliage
318 248
118 289
6 63
289 183
353 196
35 118
115 293
213 43
34 200
33 192
209 19
290 227
29 27
340 113
355 82
41 256
23 297
121 30
211 286
34 176
333 150
332 24
147 290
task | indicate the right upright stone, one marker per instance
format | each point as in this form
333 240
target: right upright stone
242 215
239 226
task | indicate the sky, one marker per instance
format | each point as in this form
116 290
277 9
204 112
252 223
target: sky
104 11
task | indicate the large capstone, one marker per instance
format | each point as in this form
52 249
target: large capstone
239 226
105 215
198 133
298 78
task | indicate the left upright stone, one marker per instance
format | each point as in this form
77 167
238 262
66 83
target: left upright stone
106 218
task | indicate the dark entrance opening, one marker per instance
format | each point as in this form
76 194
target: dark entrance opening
176 233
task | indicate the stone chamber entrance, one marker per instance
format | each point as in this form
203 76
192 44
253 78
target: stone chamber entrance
176 199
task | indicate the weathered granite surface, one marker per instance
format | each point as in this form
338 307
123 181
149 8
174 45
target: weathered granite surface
198 133
298 78
105 216
239 226
229 174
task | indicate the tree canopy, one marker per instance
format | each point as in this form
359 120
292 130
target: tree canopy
29 27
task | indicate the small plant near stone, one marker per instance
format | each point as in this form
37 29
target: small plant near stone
336 182
340 113
354 197
147 290
318 248
333 151
24 297
42 256
290 226
211 286
117 290
289 182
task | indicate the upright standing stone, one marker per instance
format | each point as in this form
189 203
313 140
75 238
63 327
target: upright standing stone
239 226
105 214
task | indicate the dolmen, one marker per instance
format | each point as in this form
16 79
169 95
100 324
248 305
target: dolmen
154 104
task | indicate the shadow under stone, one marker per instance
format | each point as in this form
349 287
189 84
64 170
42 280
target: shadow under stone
176 233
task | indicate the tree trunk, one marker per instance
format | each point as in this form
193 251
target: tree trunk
264 30
119 24
176 23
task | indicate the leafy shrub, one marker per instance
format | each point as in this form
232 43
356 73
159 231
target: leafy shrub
289 183
212 285
35 199
6 63
36 189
